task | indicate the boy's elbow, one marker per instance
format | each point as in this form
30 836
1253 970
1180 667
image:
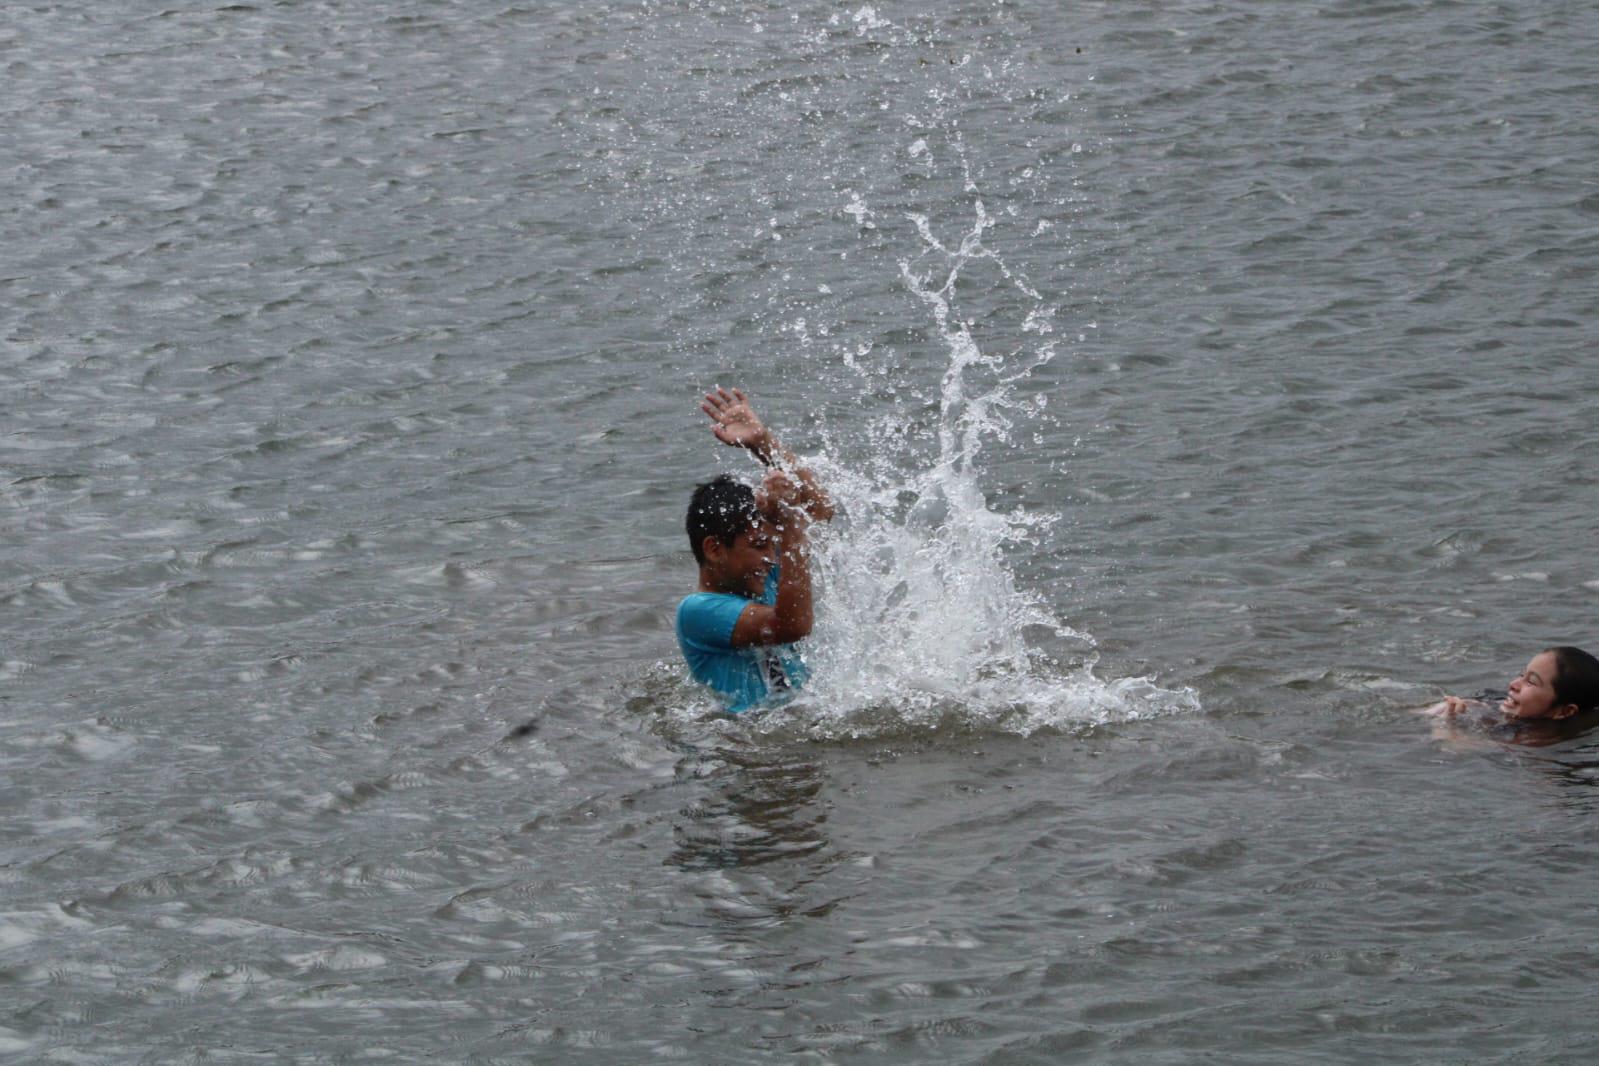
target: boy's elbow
791 630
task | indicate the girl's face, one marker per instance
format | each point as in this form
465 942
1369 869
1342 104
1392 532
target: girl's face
1532 695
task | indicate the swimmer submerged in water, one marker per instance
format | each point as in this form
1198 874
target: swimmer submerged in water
1557 694
752 602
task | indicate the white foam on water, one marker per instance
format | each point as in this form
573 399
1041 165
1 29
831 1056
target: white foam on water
866 19
13 1043
94 742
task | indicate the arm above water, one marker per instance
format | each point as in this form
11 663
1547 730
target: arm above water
736 423
791 617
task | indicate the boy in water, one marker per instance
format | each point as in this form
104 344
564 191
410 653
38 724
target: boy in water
753 601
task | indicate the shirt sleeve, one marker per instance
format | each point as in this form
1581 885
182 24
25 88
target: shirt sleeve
707 619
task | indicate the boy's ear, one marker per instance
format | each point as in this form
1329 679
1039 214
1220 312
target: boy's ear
712 546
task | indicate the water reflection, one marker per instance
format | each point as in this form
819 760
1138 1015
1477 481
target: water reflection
1564 754
761 807
1573 768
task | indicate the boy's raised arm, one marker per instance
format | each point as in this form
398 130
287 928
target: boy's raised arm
734 422
790 618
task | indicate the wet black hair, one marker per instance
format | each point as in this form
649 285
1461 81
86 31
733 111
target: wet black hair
1576 678
720 508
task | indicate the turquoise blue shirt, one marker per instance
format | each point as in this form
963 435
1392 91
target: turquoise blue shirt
743 676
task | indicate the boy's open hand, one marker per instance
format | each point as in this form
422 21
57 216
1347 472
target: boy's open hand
735 421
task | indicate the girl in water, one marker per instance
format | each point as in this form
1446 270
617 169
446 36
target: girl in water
1554 697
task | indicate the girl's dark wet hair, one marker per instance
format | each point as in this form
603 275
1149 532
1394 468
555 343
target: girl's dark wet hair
1576 678
720 508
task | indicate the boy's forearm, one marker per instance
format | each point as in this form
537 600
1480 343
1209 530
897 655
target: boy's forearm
794 608
774 452
817 503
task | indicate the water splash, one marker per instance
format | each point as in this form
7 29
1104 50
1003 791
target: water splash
881 124
921 622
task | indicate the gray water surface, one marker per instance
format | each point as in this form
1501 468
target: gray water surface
352 355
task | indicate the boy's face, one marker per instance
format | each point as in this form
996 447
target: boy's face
746 561
1532 695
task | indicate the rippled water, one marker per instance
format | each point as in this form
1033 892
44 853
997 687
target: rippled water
352 356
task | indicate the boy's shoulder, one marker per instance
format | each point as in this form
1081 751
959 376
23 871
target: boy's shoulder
700 600
708 618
